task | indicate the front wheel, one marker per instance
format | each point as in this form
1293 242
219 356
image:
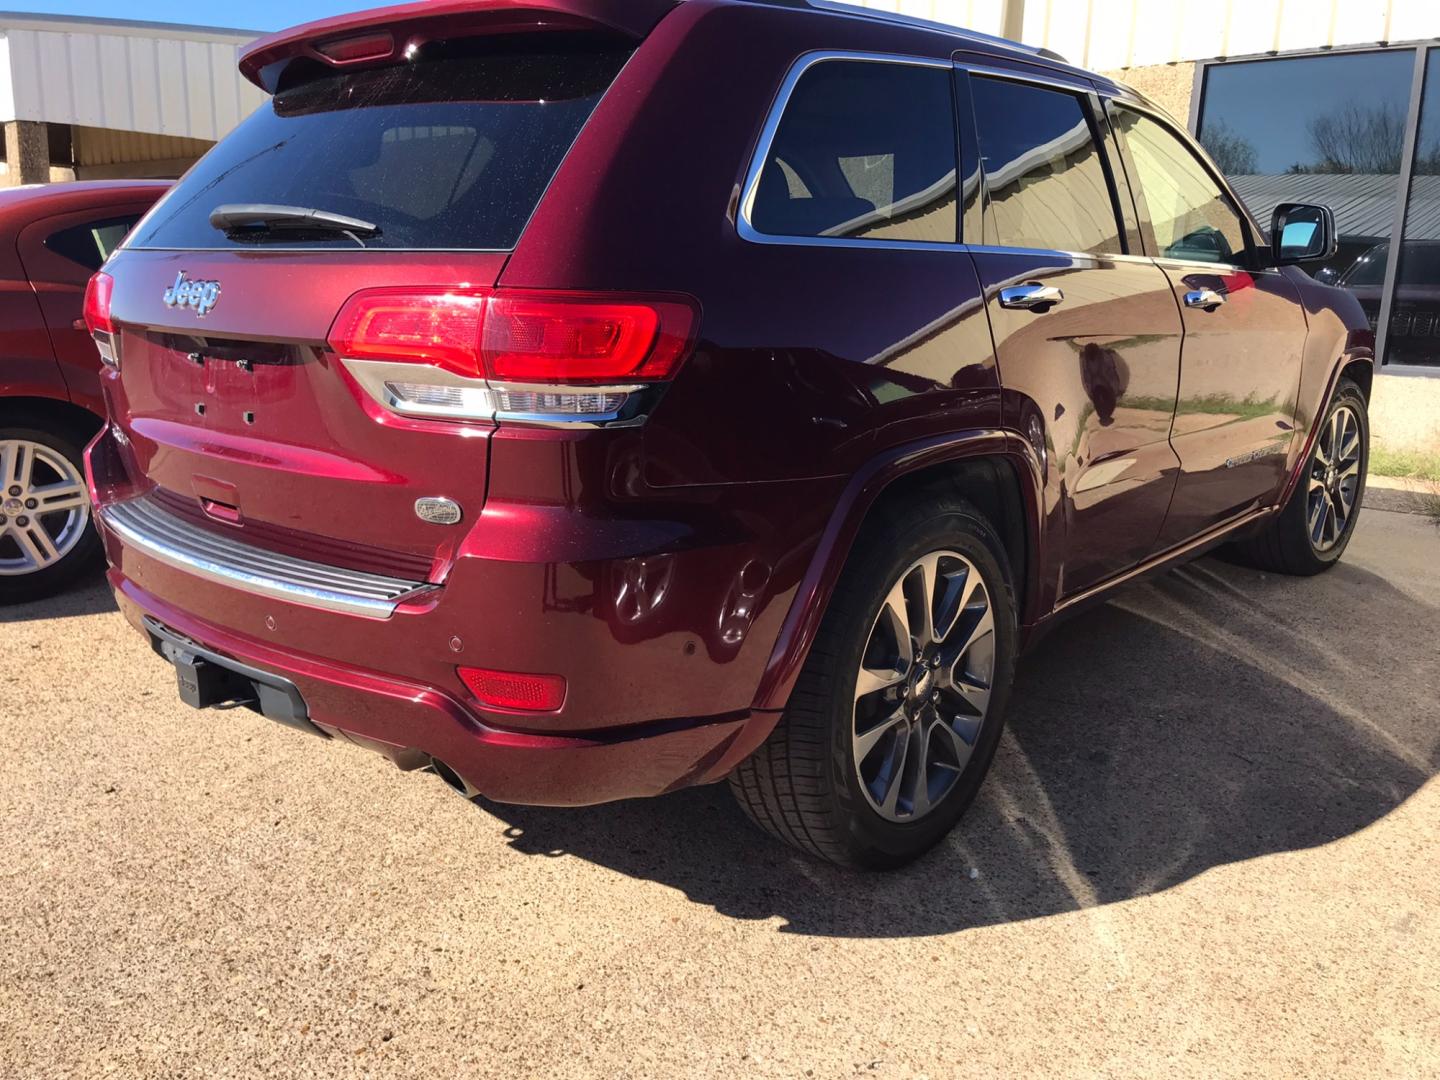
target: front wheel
1313 529
897 713
46 538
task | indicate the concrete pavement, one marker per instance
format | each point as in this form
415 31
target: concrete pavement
1210 846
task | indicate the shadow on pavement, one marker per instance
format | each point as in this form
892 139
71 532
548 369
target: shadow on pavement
88 596
1216 715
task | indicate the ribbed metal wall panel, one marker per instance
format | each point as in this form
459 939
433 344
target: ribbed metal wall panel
180 82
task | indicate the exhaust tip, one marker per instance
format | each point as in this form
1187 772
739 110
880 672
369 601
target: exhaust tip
453 780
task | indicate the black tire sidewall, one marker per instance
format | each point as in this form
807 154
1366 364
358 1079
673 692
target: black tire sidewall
872 840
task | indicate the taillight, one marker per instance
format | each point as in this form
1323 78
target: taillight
515 690
548 357
97 316
439 328
569 338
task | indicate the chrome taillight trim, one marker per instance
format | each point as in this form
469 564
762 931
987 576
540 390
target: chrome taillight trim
484 400
107 344
143 525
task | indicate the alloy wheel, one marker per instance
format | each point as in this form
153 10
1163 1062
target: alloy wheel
1334 480
44 507
923 688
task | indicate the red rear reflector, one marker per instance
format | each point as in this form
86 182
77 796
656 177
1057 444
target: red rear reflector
514 690
440 328
97 302
520 337
353 50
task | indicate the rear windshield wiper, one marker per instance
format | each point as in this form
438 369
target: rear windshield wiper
246 218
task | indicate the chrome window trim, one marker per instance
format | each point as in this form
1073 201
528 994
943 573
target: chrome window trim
147 528
802 64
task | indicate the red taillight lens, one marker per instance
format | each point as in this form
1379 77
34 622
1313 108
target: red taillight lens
514 690
559 338
570 338
97 302
441 328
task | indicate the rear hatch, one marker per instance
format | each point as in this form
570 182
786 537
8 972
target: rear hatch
239 413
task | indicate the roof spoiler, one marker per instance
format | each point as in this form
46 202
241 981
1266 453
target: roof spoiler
384 35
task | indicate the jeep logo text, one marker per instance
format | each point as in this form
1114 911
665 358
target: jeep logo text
200 295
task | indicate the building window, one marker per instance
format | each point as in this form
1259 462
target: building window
1332 128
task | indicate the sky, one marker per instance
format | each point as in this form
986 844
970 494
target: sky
241 14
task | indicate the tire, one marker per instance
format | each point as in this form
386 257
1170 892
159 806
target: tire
804 785
45 466
1290 543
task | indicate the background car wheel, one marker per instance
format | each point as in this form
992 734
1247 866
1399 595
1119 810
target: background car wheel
1310 534
46 538
897 713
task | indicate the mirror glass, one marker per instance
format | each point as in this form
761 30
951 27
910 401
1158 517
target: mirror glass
1302 235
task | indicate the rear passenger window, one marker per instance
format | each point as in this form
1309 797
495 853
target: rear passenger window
1047 185
91 244
864 150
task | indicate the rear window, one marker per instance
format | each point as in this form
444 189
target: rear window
864 150
449 151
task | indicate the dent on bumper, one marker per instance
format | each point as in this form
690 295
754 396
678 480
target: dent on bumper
413 723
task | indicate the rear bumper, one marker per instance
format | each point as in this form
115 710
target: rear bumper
412 723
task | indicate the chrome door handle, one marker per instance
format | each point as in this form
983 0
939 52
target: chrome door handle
1205 299
1030 296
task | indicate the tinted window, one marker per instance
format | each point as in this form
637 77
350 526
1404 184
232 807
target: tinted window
863 150
91 244
1046 182
451 150
1181 206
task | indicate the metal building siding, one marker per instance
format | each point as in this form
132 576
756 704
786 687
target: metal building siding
178 83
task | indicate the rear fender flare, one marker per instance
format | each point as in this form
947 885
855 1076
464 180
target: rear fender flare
868 484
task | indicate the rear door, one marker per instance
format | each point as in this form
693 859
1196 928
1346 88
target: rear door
1086 332
234 403
59 254
1244 331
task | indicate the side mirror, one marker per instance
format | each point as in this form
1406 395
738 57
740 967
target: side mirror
1300 232
1327 275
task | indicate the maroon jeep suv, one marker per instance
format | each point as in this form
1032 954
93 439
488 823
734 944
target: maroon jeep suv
582 399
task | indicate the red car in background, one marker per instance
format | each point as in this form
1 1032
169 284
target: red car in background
52 238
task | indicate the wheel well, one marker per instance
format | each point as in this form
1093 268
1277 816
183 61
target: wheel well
993 486
50 414
1362 374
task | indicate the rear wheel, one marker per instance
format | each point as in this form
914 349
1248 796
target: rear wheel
46 539
896 715
1311 532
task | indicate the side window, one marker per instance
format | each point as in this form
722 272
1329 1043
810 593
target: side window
863 150
1043 171
90 244
1179 201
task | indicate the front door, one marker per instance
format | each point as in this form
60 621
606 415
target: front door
1087 335
1244 333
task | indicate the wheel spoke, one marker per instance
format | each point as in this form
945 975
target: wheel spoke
36 544
871 680
927 573
865 741
960 746
16 462
895 616
920 774
62 496
894 772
